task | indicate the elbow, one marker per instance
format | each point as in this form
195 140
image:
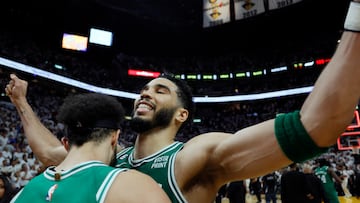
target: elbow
324 133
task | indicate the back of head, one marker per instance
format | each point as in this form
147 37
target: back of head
307 168
323 162
83 114
293 166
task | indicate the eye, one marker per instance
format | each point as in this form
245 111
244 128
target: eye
162 91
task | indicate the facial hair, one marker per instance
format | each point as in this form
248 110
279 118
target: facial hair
161 119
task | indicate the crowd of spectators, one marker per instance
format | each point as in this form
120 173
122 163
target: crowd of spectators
106 68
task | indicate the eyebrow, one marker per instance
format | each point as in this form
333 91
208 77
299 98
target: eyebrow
163 86
157 86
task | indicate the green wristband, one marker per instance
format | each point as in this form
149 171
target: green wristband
293 139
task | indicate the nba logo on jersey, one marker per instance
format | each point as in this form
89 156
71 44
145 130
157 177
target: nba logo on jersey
51 192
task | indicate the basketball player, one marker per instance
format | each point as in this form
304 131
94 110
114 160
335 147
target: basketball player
194 171
327 176
93 122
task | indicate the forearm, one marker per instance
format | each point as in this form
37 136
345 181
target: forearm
330 107
42 142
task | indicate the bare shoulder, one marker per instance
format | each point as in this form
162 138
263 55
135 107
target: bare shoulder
197 154
207 140
135 187
201 145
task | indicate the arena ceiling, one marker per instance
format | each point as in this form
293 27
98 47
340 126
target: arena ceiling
143 25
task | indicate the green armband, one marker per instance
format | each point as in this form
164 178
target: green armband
293 139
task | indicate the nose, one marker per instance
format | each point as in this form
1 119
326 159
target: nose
145 94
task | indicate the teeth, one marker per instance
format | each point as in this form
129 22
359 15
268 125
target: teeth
144 106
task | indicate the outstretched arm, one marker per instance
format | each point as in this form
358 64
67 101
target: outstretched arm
256 150
46 147
325 114
329 108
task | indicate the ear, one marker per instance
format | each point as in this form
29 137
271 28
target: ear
115 138
65 142
182 115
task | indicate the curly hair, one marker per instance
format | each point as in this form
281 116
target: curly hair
90 116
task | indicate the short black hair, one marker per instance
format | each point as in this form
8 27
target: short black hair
323 162
184 93
87 113
293 165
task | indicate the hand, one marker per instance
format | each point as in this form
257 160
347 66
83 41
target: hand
16 89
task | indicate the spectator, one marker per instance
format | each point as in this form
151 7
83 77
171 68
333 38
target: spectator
221 194
236 191
255 188
270 187
316 190
7 189
293 185
345 175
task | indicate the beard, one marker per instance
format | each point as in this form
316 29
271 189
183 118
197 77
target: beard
161 119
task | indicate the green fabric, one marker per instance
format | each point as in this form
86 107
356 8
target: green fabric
87 182
293 138
160 166
328 184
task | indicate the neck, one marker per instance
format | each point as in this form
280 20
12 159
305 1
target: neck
152 141
88 152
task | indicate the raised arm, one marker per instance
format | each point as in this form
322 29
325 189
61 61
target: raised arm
329 108
46 147
291 137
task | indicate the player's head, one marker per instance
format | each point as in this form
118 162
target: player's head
90 117
163 100
293 166
307 168
323 162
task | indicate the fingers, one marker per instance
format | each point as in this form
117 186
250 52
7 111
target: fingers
10 86
16 89
12 76
7 92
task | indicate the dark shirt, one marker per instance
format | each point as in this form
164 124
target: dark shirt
316 189
293 187
270 183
